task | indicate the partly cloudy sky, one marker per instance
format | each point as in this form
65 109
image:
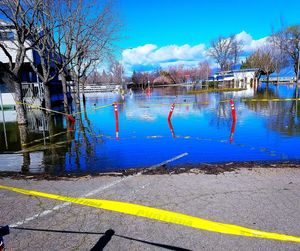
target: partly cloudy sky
163 32
150 56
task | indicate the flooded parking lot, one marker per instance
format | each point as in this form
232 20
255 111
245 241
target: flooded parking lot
201 130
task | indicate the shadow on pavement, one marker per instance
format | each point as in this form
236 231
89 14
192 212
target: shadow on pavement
104 240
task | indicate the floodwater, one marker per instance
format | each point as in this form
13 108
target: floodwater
201 129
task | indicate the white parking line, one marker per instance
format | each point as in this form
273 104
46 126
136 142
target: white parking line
93 192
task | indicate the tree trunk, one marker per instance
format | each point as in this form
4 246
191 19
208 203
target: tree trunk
47 96
64 87
268 77
26 155
83 96
77 94
20 109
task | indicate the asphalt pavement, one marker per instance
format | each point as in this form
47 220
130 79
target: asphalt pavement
263 199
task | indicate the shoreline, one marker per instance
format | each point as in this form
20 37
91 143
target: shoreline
201 168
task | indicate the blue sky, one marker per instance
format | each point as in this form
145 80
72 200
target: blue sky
163 23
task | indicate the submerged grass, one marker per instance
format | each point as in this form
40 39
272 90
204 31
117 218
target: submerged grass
217 90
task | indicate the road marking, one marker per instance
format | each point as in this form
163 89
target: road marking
93 192
160 215
168 161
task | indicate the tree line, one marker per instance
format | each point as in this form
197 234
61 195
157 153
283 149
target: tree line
280 50
172 75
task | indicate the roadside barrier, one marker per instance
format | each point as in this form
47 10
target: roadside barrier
117 119
160 215
171 111
232 110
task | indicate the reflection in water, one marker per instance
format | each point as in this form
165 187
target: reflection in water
117 119
283 115
53 144
171 128
232 131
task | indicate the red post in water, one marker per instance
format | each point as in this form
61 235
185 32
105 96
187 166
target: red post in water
117 119
71 118
71 122
232 110
171 111
148 92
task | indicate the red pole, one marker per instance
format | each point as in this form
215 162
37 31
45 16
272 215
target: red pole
148 91
117 119
71 118
71 122
232 110
171 111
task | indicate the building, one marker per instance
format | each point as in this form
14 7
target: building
245 76
32 87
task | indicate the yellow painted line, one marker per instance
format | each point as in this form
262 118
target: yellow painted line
224 101
271 100
95 108
176 104
62 113
160 215
101 107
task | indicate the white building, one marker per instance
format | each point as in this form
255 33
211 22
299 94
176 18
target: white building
246 76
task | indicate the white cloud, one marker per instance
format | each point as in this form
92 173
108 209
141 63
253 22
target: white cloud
138 55
250 44
150 56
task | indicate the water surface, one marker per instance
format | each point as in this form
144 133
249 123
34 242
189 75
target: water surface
201 126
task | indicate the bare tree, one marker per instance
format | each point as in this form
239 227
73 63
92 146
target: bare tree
203 70
264 59
117 71
280 61
84 38
288 41
92 38
45 47
225 51
19 18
